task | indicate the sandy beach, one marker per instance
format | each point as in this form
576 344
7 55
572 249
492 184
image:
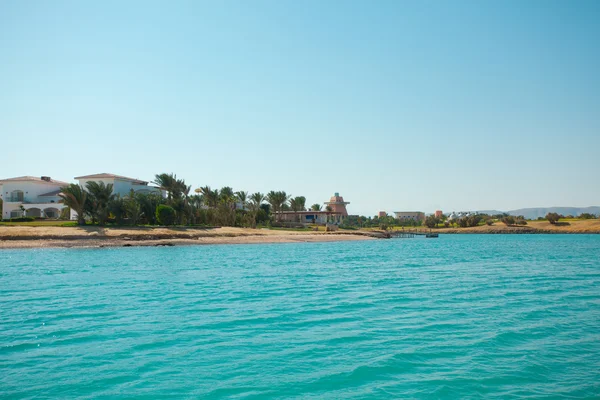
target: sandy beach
21 236
570 226
93 236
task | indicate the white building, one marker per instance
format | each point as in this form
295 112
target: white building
122 185
31 196
459 214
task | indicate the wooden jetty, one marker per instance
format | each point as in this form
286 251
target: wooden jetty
411 233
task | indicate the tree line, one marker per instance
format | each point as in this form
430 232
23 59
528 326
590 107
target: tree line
205 206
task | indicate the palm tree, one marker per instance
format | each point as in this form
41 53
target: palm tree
197 200
242 198
211 197
100 195
226 194
294 205
132 208
195 203
148 202
225 214
298 204
256 199
277 200
167 182
273 200
74 197
181 193
315 207
301 200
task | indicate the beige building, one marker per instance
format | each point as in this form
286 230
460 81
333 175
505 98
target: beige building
337 204
335 213
310 217
410 215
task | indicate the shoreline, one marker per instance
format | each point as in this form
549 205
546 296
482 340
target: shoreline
98 237
33 237
589 226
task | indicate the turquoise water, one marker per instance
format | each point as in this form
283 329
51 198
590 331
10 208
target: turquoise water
496 316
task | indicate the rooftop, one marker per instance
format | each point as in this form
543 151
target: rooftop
34 179
336 199
104 175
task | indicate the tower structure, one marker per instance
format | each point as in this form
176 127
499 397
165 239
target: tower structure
338 205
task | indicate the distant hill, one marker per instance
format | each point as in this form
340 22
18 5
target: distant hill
534 213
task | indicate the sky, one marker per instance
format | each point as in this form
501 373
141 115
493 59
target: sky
396 105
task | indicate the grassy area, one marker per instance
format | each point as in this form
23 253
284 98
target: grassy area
39 223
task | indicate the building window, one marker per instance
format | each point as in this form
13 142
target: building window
16 195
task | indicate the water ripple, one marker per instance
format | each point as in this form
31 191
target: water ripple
458 317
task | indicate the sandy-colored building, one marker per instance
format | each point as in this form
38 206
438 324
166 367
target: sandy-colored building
438 213
335 213
382 214
410 215
310 217
337 204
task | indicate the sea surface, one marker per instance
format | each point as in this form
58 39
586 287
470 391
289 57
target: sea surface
461 316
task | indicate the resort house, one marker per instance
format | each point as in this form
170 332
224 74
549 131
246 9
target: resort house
410 215
122 185
31 196
334 213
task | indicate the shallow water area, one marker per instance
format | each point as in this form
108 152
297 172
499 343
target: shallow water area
455 317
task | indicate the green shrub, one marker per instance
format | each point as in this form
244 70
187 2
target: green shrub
552 217
262 216
165 215
22 219
431 221
348 227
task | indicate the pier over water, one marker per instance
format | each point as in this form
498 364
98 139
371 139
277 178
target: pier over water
411 233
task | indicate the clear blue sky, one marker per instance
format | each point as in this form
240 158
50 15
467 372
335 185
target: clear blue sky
397 105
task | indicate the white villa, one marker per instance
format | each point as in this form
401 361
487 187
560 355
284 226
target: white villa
38 197
31 196
122 185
